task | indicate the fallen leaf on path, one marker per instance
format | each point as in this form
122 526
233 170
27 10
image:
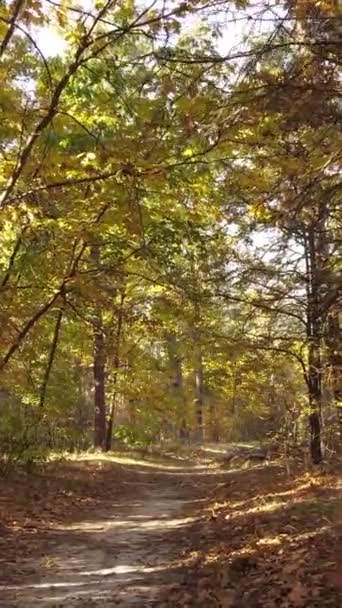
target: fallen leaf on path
298 595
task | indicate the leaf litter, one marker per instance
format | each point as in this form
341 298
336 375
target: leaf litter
110 534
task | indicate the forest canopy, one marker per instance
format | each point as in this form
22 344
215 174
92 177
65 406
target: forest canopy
170 211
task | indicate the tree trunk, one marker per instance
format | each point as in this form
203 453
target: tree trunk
99 369
199 401
84 405
199 387
315 400
18 5
12 259
314 335
176 383
53 349
315 438
116 365
110 423
27 327
213 422
99 387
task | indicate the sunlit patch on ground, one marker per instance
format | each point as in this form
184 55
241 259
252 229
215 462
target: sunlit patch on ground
132 524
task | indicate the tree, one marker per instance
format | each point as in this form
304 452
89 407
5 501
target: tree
139 169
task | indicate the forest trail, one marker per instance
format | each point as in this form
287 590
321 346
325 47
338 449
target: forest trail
129 534
122 554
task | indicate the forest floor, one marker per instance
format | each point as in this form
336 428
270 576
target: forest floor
123 532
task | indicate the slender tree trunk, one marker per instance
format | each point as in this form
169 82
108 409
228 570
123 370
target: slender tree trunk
315 400
213 424
53 349
99 384
110 422
12 259
18 5
84 406
116 365
314 335
176 383
175 362
27 327
75 259
199 387
99 369
199 400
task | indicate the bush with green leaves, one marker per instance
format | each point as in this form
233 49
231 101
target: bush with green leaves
24 436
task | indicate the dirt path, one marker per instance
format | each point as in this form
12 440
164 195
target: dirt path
121 555
137 534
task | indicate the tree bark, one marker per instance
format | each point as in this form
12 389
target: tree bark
99 368
176 383
99 384
314 335
199 387
116 365
53 349
110 423
72 268
18 5
27 327
12 259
